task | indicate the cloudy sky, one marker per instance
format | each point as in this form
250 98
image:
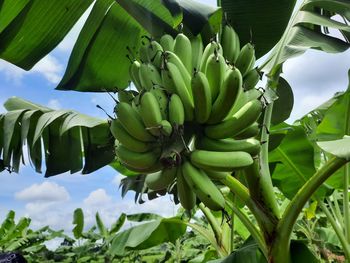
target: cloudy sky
314 77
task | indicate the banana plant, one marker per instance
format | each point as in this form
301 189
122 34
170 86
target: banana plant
111 36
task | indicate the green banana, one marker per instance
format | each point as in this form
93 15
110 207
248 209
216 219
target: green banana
167 82
197 51
204 188
242 119
215 72
167 42
132 122
243 98
154 53
126 139
162 179
251 79
149 76
215 175
152 169
185 194
251 131
181 90
246 59
165 128
150 113
137 160
211 48
230 43
162 99
143 53
134 72
220 161
201 97
251 146
171 57
183 49
125 96
176 110
230 90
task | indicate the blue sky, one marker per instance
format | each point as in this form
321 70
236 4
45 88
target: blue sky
315 77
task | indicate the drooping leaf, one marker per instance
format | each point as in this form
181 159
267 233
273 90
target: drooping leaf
116 226
141 217
294 163
71 141
283 106
78 221
98 61
339 148
249 252
101 226
147 235
259 22
31 29
306 30
300 253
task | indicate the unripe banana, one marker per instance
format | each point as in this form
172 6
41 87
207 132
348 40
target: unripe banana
154 53
143 53
149 76
252 131
162 99
183 49
167 42
132 122
215 175
167 82
134 72
125 96
137 160
150 113
176 110
215 72
165 128
152 169
251 146
211 48
204 188
220 161
161 179
243 99
251 79
246 59
230 43
126 139
201 97
230 90
173 58
185 194
182 91
197 51
242 119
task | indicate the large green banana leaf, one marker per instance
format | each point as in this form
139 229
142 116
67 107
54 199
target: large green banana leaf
309 28
259 22
71 141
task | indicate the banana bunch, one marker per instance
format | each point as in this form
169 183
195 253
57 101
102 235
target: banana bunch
194 117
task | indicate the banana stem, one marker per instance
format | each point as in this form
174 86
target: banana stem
212 222
280 245
253 230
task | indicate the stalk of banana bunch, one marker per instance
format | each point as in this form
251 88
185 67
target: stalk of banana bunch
194 117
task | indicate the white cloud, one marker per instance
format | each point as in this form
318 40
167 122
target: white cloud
117 179
97 198
45 192
12 73
54 104
50 68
